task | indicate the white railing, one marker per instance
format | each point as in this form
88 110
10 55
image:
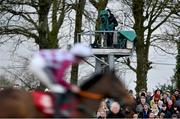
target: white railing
90 36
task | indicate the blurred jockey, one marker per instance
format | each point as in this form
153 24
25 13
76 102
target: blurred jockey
50 67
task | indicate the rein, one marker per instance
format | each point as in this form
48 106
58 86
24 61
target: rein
90 95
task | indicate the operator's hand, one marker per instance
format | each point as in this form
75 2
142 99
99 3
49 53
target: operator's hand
75 89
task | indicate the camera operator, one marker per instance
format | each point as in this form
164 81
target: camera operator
112 24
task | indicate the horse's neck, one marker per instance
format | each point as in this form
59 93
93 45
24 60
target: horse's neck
88 106
89 102
96 89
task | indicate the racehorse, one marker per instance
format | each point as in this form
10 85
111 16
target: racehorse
18 103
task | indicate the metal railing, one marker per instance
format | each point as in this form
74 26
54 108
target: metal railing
100 36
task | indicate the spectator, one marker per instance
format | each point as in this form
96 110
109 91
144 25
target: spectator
170 106
109 102
155 109
165 98
168 93
142 93
165 111
158 92
115 111
149 97
155 99
176 96
102 110
140 107
145 112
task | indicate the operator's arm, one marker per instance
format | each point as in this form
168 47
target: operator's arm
114 21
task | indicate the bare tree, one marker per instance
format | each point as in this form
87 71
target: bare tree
174 36
149 16
35 19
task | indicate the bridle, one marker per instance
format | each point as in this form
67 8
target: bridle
90 95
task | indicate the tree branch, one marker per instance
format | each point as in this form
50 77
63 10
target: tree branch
164 50
94 3
128 63
19 30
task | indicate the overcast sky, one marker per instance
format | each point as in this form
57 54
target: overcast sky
160 74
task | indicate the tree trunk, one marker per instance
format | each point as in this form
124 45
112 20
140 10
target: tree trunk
177 73
57 22
43 28
78 24
141 48
52 36
142 69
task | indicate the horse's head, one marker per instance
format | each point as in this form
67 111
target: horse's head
108 85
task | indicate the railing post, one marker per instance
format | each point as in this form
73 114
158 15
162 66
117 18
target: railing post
111 61
115 37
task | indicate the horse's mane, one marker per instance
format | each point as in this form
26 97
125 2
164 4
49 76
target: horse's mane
91 81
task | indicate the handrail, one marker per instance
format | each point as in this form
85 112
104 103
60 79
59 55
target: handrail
101 60
94 32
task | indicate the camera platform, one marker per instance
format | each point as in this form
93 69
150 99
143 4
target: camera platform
122 45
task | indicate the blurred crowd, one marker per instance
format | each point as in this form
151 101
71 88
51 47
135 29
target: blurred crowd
159 104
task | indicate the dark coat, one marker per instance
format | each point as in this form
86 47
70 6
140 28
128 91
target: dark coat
111 20
144 114
118 115
167 113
